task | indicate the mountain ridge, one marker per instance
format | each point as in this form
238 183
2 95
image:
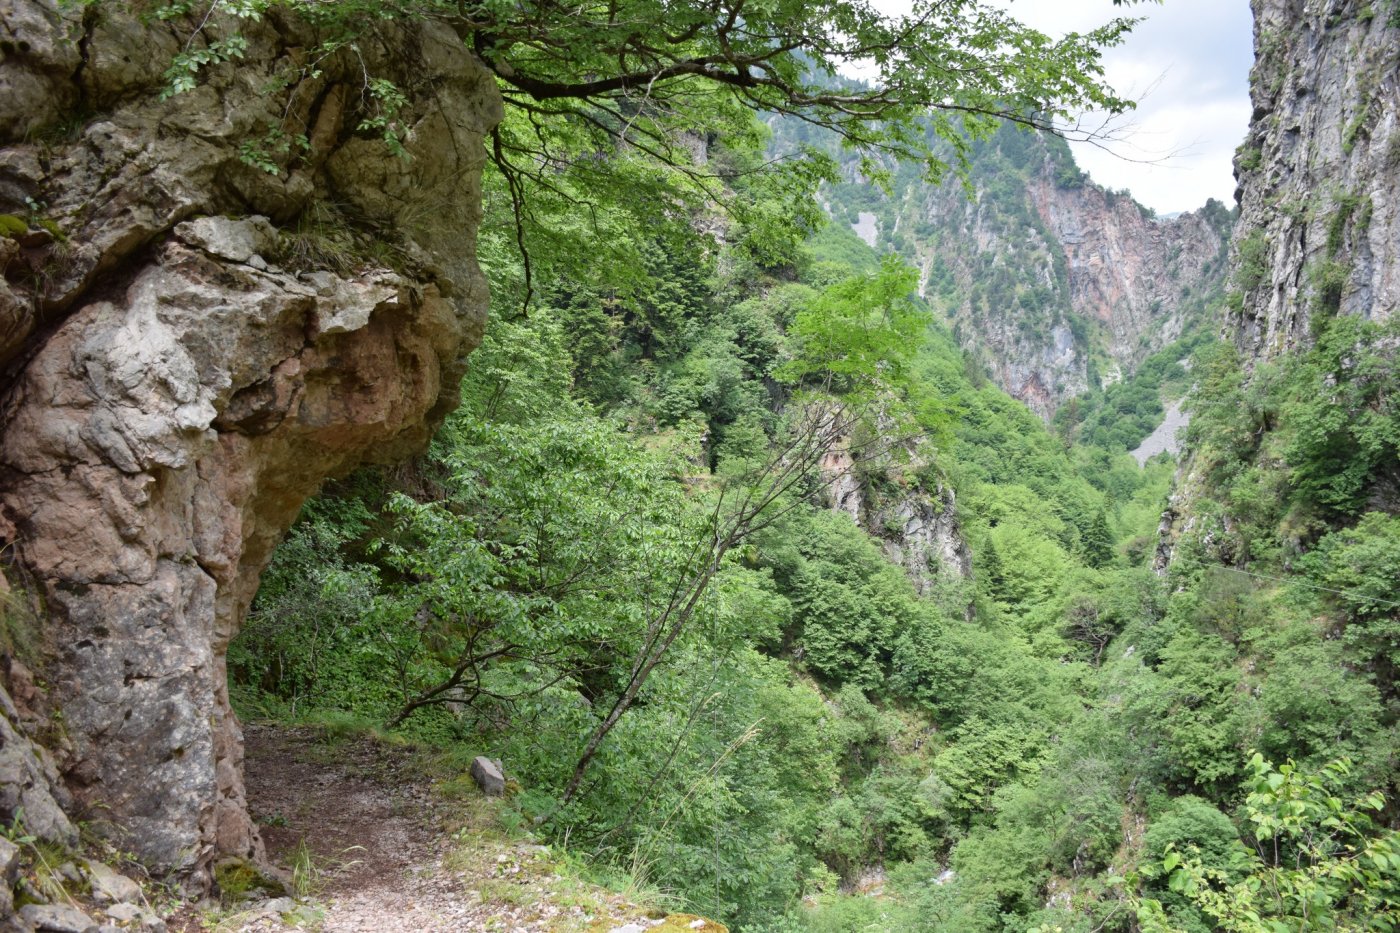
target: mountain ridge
1059 286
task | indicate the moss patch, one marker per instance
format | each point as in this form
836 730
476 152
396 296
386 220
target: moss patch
11 226
238 879
691 922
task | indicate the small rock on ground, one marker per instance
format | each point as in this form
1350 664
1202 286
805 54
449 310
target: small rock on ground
57 918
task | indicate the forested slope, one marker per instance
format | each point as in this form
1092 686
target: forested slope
239 256
817 720
736 553
1050 734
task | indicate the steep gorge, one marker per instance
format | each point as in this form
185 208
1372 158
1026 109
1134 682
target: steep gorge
200 326
1056 284
193 344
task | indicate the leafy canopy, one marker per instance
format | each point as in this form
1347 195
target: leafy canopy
611 107
1321 861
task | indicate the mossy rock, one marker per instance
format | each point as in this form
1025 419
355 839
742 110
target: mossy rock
53 229
677 922
238 879
11 226
673 923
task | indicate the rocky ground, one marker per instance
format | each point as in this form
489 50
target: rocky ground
373 844
1166 437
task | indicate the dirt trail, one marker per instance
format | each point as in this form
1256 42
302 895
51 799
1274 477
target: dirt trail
379 836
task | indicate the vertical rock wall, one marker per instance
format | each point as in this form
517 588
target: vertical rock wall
1319 173
1057 284
1100 284
192 343
1319 190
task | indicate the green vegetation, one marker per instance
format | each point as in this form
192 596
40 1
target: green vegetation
633 80
1122 415
1252 262
619 570
1323 862
1248 157
1063 740
985 743
813 706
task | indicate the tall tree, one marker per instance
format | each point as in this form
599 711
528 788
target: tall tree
1096 543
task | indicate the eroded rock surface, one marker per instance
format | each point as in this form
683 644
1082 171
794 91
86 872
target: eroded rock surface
1319 193
29 785
1319 173
917 527
1055 284
1086 268
920 531
192 344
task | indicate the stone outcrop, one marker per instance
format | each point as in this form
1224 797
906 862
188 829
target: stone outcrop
917 528
210 304
1318 172
29 783
57 918
920 532
1319 193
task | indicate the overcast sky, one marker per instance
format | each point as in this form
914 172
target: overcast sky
1187 66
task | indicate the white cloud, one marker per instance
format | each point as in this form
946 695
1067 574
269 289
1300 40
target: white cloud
1187 64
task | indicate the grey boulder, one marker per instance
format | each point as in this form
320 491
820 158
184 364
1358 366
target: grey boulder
57 918
488 776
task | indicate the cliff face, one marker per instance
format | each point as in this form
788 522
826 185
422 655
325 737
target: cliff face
917 527
191 345
1319 193
1057 284
1319 205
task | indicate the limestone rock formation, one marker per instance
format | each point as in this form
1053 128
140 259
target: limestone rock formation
1077 284
1319 198
920 532
917 527
1319 192
1055 284
29 782
197 327
57 918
